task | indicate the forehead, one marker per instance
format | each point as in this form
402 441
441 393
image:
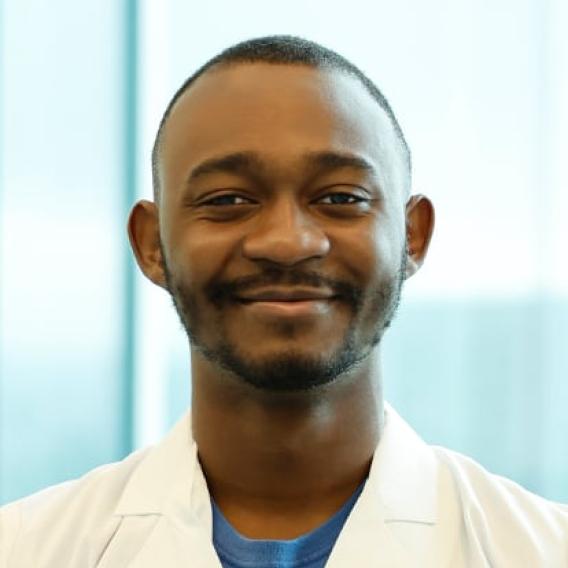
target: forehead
281 113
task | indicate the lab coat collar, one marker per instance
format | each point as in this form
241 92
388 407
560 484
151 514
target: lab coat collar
166 510
169 480
162 479
403 474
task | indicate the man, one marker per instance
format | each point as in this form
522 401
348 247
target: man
283 227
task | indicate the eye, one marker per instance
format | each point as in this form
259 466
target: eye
343 198
224 207
227 199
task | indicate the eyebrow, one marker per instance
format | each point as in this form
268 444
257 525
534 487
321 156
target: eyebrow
249 162
327 161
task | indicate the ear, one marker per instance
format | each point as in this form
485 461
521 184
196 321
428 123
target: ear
144 235
419 228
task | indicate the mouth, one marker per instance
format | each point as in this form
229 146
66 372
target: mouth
288 308
295 302
286 295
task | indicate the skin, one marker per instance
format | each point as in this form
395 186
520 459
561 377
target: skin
279 464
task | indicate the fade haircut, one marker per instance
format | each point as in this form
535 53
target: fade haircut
279 50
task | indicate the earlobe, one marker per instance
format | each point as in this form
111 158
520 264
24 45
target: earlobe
144 236
419 228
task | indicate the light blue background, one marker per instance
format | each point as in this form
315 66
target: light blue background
92 360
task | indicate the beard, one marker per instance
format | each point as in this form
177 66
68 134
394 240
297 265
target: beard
289 371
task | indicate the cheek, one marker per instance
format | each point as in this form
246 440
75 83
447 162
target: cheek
388 250
390 238
201 256
372 253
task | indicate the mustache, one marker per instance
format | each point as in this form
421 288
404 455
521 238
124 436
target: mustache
221 292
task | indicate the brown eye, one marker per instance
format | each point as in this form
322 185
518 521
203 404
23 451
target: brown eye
225 207
227 199
343 199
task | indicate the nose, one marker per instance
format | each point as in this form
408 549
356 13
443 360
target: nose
286 235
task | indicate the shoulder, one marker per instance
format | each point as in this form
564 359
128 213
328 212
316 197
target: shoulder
72 509
75 523
478 488
502 517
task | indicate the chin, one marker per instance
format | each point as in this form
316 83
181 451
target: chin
290 370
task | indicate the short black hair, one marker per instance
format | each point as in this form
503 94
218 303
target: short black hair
280 50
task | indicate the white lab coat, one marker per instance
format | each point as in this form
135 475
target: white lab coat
422 507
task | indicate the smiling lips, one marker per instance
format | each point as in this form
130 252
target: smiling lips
288 302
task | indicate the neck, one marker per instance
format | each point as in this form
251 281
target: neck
278 464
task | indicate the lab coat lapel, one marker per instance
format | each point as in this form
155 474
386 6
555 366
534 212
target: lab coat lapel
159 540
402 518
183 535
174 544
165 510
365 539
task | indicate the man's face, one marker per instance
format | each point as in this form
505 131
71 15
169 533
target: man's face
282 221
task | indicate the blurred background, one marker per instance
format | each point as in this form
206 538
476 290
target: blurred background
93 362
